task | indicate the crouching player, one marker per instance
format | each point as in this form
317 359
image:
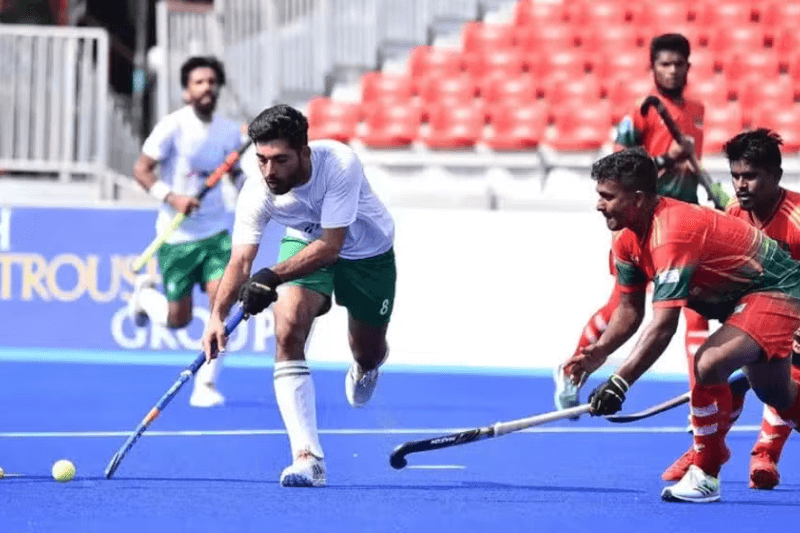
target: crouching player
755 163
339 240
723 268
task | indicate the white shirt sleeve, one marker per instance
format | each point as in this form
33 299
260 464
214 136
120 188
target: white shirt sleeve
160 142
340 203
252 214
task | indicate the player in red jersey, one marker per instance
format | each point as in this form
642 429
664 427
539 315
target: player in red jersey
720 266
669 62
755 161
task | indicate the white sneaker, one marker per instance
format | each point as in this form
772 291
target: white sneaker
359 385
135 309
306 471
566 393
206 395
696 486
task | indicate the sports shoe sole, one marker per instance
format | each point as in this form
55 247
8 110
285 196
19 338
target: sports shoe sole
668 496
763 479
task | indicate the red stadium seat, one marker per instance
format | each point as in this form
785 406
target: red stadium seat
488 64
332 119
714 91
624 64
454 127
720 124
739 66
546 39
581 128
561 65
763 93
391 125
436 91
598 13
724 15
521 89
376 86
585 90
425 60
786 122
623 95
478 36
739 38
665 14
516 127
781 14
617 38
539 14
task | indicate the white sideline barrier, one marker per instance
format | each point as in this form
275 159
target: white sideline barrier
493 289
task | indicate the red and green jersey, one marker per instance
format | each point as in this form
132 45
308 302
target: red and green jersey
650 132
783 224
702 259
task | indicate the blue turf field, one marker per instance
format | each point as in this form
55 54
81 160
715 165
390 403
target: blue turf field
217 470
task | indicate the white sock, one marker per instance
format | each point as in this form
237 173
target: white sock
294 391
209 372
155 305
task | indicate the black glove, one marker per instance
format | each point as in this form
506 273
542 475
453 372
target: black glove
607 398
259 292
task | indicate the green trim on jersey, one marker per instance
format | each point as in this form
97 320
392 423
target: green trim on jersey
629 275
672 284
187 263
366 287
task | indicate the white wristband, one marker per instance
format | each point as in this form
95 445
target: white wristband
159 190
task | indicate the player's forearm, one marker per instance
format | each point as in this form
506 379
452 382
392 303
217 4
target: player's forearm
318 254
651 345
236 273
144 172
624 322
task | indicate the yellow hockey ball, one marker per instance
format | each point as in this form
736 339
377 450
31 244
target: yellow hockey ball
63 470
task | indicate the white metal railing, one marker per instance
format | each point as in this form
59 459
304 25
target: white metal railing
53 98
286 49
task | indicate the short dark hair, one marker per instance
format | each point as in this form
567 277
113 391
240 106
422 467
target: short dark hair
202 62
672 42
280 122
633 168
761 148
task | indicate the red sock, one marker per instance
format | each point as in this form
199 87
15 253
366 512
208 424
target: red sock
737 402
599 321
696 335
792 414
711 407
773 435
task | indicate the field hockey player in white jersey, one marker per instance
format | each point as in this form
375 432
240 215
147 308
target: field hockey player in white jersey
339 241
187 146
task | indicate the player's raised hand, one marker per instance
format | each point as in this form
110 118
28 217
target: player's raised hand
683 150
214 338
259 291
183 204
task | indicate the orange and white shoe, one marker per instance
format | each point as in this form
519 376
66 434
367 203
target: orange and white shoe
764 473
678 469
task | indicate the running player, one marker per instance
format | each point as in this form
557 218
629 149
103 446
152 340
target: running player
188 145
755 161
669 63
722 267
339 240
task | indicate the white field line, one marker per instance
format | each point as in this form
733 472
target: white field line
388 431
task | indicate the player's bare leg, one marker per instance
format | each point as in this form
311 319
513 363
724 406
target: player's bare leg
205 392
294 312
370 350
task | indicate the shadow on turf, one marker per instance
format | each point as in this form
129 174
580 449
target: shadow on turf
483 485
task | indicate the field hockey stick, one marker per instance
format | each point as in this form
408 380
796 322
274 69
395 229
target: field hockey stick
398 457
674 130
738 382
185 376
178 219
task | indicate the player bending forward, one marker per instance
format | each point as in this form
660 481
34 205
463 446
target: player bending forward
755 163
720 266
339 240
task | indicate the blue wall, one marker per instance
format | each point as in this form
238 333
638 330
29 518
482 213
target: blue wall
65 280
